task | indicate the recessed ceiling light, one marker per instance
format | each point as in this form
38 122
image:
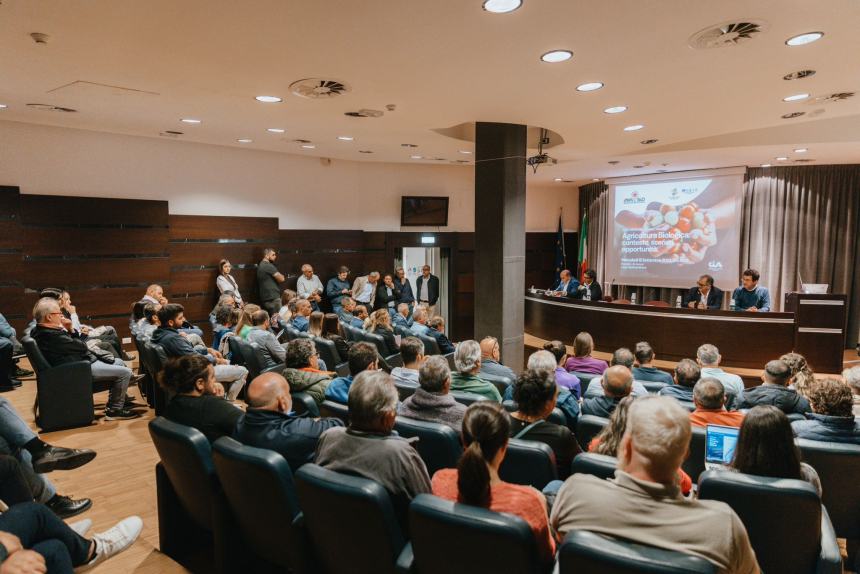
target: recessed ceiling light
558 179
589 87
345 138
801 150
190 121
595 179
634 128
416 157
781 158
465 151
502 6
308 146
615 110
795 97
555 56
765 165
3 106
802 39
244 140
268 99
276 130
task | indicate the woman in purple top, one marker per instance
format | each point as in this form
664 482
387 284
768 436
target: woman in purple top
582 361
563 378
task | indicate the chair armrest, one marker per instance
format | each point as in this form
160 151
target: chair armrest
829 557
405 560
308 404
302 556
77 371
274 369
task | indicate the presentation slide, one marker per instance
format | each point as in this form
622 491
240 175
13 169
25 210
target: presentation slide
666 233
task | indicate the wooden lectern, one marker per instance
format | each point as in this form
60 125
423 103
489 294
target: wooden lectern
819 329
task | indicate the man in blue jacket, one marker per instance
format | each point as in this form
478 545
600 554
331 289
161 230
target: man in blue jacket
750 296
566 286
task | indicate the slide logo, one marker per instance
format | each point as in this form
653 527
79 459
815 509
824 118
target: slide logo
635 197
714 265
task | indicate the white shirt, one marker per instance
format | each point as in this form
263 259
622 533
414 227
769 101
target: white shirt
225 284
424 295
305 287
703 298
366 293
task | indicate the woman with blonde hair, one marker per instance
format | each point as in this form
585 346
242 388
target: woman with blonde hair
245 323
380 324
801 374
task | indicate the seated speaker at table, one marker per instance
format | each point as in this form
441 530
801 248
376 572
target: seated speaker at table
566 285
590 288
704 295
751 296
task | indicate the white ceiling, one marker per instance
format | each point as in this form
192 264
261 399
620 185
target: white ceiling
442 63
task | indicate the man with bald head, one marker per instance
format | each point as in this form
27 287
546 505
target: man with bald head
271 423
490 365
617 384
644 504
775 391
709 396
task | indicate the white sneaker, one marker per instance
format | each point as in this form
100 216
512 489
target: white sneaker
111 542
81 526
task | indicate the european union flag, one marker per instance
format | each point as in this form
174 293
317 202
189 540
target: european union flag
560 254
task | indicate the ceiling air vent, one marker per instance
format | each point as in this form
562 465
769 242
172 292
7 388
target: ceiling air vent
792 115
727 34
171 134
50 108
799 75
831 98
804 160
318 88
365 113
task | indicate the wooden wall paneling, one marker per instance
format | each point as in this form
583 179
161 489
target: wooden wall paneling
44 241
142 271
65 210
325 250
12 302
463 267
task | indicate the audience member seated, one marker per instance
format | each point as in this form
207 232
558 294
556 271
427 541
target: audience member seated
33 541
387 294
608 440
199 399
338 288
362 316
273 353
437 331
709 396
149 323
644 503
225 321
362 357
347 313
623 357
334 333
412 353
801 373
269 422
708 357
285 313
8 344
299 321
774 391
467 360
766 447
582 361
432 401
476 481
565 401
245 322
490 364
687 374
225 300
105 335
401 317
368 447
617 384
53 337
831 419
315 324
155 294
380 324
175 345
644 371
852 377
563 379
419 322
302 370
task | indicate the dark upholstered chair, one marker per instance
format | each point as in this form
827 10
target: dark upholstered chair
528 462
838 467
349 521
328 352
403 331
156 358
587 427
350 332
438 444
460 539
584 380
342 370
600 465
193 523
501 383
584 551
695 463
395 360
236 355
304 403
556 416
260 492
375 340
431 347
405 390
467 398
775 511
653 387
334 409
64 394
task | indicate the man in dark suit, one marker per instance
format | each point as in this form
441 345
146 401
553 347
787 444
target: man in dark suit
590 288
566 285
704 295
428 289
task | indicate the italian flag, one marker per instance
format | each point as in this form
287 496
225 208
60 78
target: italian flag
583 246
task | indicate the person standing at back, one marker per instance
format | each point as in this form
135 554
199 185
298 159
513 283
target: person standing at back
337 289
226 283
405 288
268 281
428 289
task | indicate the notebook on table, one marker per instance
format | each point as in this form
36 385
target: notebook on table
720 442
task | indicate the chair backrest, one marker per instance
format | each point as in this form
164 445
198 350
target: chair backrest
291 333
376 340
438 444
236 356
259 488
774 511
599 465
695 463
653 387
342 369
838 466
587 427
460 539
555 417
402 331
304 403
37 359
350 332
584 380
431 347
187 459
528 462
501 383
336 410
395 360
584 551
467 398
328 352
251 354
405 390
350 521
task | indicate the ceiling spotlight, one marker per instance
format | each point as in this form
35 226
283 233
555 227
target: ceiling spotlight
558 179
801 150
502 6
589 87
465 151
556 56
345 138
648 142
781 158
3 106
615 110
190 121
595 179
634 128
276 130
792 115
803 39
765 165
308 146
416 157
244 140
795 98
268 99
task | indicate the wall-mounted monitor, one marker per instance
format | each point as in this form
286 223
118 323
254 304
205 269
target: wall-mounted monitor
421 211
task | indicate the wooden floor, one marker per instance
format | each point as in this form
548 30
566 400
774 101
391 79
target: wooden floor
120 480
